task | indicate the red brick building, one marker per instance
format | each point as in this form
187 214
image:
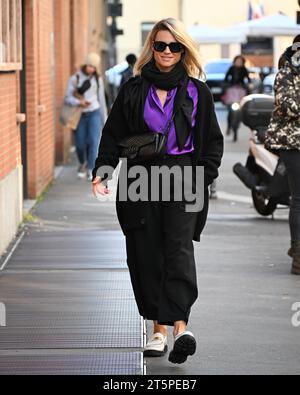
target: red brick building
41 44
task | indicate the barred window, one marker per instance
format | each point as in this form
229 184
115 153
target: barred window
10 35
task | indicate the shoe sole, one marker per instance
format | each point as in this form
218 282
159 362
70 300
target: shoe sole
155 353
183 347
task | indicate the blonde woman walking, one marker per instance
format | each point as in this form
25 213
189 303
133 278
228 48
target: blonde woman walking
159 234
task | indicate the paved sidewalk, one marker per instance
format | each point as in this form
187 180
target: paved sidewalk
70 305
67 291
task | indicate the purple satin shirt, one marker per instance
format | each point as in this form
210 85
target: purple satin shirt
157 117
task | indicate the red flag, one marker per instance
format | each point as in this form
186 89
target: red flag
258 10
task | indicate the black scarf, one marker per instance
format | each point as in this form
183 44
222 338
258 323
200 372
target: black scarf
136 94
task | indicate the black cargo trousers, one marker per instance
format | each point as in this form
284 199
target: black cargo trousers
291 159
160 251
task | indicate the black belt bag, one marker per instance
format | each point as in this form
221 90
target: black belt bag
145 146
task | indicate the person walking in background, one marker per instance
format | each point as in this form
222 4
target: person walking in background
159 234
128 73
86 89
236 76
283 138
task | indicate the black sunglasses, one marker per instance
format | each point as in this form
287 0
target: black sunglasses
160 46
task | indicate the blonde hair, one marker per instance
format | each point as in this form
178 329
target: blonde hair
191 60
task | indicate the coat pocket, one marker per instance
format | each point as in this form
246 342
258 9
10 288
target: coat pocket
131 215
202 217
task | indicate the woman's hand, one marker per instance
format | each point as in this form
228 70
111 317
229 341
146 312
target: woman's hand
251 87
84 103
99 188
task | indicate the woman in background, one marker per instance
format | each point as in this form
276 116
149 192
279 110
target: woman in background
238 73
237 76
86 89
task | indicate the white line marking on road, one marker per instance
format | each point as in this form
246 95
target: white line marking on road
234 198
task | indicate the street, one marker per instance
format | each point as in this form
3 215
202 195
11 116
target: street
70 306
242 318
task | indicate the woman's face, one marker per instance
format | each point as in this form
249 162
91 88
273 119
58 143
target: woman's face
239 62
166 60
89 70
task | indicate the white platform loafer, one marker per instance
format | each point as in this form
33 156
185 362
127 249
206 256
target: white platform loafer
184 345
156 346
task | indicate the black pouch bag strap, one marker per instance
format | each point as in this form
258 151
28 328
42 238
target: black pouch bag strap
169 126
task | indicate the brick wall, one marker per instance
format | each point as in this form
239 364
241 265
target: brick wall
71 39
62 17
79 26
40 94
10 159
56 43
10 149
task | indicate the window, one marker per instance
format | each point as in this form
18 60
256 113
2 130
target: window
146 29
10 35
258 46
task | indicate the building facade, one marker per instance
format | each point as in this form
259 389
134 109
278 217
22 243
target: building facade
212 13
41 43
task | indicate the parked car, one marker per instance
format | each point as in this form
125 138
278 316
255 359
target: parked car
215 74
268 84
216 71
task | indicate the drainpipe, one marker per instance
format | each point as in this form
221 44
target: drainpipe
180 7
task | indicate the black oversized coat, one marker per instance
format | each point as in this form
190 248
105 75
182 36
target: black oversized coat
208 143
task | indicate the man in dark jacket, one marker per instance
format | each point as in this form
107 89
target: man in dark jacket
128 73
